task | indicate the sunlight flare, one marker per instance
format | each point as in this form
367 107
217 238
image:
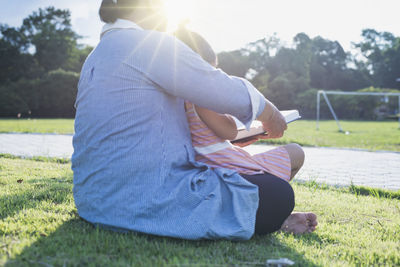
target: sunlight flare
178 11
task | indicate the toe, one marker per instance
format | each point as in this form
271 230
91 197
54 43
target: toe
311 216
312 219
313 223
311 229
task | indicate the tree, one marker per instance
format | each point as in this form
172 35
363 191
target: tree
53 95
382 53
260 52
282 72
43 43
14 60
77 57
39 65
57 93
11 104
50 32
234 63
329 64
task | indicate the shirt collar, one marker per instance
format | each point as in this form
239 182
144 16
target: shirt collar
119 24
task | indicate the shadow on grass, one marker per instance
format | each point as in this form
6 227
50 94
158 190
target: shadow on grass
353 189
375 192
54 190
77 243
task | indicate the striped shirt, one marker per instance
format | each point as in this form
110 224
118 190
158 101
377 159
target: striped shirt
219 153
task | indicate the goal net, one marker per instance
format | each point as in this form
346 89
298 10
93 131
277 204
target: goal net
325 94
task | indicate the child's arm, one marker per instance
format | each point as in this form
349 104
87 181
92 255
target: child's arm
223 126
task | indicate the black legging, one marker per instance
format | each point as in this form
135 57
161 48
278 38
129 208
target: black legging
276 202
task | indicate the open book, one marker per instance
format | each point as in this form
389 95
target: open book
256 127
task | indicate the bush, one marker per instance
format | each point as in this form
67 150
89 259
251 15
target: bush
306 103
52 96
57 93
11 104
283 90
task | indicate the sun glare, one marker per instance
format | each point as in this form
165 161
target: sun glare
178 11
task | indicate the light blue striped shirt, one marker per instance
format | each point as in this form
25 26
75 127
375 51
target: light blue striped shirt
134 164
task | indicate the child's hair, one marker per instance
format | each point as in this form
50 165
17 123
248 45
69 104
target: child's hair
197 43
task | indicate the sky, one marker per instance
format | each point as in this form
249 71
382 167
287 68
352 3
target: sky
230 24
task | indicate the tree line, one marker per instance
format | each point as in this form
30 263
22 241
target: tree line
291 76
40 63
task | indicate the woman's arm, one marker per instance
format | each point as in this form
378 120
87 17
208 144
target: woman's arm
180 72
223 126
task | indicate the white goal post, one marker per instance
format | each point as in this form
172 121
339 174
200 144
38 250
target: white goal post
326 93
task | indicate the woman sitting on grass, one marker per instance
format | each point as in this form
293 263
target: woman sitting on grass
134 164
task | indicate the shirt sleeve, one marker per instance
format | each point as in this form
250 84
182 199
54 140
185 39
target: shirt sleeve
258 101
181 72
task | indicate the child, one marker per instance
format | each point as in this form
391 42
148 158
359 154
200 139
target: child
211 131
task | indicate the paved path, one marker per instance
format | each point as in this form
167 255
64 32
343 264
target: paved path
326 165
346 167
30 145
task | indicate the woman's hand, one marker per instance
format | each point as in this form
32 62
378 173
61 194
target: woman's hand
273 121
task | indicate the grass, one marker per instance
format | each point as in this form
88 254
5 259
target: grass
39 226
37 158
364 135
54 126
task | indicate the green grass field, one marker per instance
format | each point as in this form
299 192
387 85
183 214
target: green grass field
39 226
364 135
54 126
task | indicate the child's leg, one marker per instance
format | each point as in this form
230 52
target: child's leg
276 202
297 157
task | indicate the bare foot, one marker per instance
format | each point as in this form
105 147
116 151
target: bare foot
300 223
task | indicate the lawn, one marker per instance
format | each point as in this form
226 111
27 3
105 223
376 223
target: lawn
54 126
39 226
363 135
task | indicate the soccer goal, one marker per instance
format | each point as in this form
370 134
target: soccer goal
326 93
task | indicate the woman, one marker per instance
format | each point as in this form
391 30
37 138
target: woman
133 161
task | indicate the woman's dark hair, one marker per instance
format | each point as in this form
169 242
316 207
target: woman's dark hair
197 43
111 10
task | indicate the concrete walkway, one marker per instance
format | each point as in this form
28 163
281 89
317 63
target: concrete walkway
345 167
31 145
324 165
